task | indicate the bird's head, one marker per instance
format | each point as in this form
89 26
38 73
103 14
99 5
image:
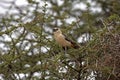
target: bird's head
57 30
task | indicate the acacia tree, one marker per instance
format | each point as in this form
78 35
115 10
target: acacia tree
28 50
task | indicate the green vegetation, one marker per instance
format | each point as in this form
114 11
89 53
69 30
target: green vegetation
28 51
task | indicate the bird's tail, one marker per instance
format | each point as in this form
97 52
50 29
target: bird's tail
75 45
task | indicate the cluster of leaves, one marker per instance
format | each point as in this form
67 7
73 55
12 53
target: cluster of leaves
28 52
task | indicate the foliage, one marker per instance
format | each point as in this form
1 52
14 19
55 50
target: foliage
29 52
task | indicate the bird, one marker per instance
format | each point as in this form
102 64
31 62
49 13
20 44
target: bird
63 41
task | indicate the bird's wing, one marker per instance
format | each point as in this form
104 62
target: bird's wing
74 44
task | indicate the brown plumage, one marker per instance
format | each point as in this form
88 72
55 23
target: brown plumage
62 40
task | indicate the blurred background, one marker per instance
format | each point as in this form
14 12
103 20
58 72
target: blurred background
28 50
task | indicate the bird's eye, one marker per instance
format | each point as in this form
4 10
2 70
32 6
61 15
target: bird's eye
55 29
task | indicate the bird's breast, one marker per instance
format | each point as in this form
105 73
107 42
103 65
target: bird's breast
61 40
